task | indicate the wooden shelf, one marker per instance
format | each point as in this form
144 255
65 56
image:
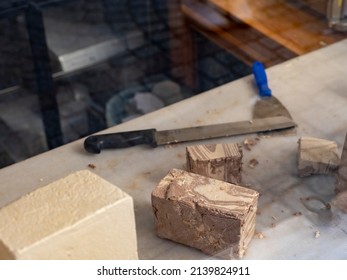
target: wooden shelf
283 22
238 38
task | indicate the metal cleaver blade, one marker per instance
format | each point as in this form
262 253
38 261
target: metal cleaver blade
268 105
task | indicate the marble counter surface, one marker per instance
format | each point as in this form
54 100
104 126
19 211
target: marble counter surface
291 222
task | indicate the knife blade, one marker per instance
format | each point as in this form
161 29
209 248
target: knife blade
95 143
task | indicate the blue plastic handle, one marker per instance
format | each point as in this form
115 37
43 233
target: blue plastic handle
261 79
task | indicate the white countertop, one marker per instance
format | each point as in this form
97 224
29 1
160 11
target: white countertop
313 87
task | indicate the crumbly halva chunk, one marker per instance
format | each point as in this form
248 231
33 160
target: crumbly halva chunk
213 216
316 156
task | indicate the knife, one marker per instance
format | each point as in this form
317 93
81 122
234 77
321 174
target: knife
268 105
95 143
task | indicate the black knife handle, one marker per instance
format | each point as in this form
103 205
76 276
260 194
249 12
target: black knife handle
95 143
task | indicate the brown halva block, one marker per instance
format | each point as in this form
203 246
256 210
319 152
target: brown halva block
213 216
316 156
218 161
341 181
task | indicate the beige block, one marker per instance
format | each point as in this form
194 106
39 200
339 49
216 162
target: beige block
218 161
316 156
213 216
81 216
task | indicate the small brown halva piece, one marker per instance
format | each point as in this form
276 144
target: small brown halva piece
316 156
213 216
341 181
248 143
218 161
253 163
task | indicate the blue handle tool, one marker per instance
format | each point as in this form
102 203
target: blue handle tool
261 79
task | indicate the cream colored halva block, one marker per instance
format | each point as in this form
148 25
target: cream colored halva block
81 216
